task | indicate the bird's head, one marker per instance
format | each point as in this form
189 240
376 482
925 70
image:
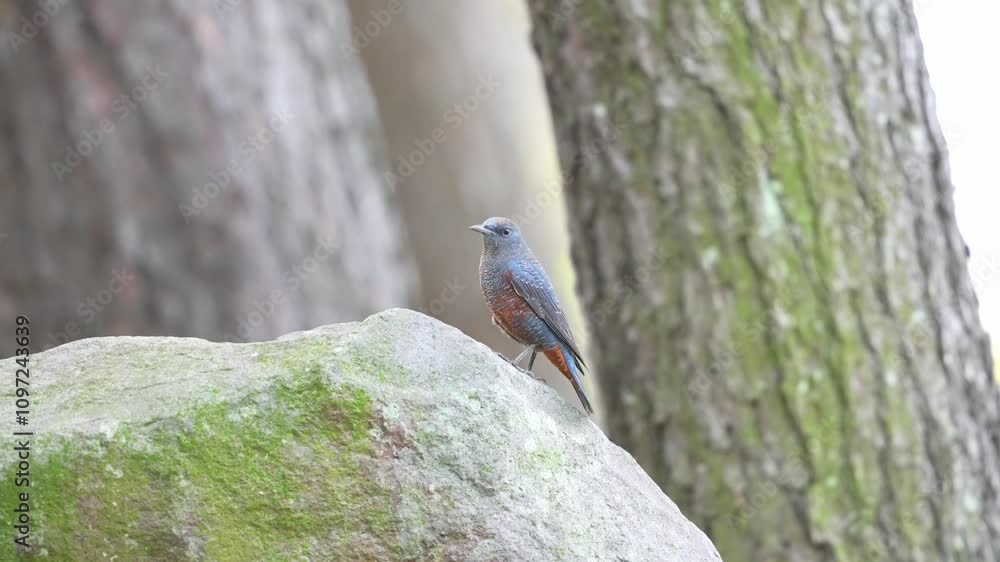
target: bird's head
499 234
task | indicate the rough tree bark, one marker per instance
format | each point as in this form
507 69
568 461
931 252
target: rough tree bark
166 167
784 326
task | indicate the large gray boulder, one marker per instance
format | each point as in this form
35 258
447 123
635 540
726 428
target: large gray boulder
396 438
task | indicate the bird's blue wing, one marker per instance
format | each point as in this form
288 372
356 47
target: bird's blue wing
533 285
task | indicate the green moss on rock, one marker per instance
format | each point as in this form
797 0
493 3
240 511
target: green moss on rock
259 479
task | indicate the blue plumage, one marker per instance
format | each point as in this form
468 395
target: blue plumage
523 301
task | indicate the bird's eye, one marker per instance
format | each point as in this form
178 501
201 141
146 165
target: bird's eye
505 232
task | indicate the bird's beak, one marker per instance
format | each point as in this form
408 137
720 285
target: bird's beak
479 228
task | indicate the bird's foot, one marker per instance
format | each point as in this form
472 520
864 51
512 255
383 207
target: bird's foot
522 369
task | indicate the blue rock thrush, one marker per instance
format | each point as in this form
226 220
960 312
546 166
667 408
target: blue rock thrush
523 302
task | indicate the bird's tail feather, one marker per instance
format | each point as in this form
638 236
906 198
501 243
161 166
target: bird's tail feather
564 361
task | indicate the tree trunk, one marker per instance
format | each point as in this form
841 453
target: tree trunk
206 171
783 322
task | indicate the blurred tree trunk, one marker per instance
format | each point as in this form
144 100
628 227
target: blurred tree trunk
203 170
469 137
784 327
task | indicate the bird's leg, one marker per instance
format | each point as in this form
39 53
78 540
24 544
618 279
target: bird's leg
516 363
531 362
531 348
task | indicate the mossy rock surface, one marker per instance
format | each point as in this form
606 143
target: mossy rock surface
396 438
